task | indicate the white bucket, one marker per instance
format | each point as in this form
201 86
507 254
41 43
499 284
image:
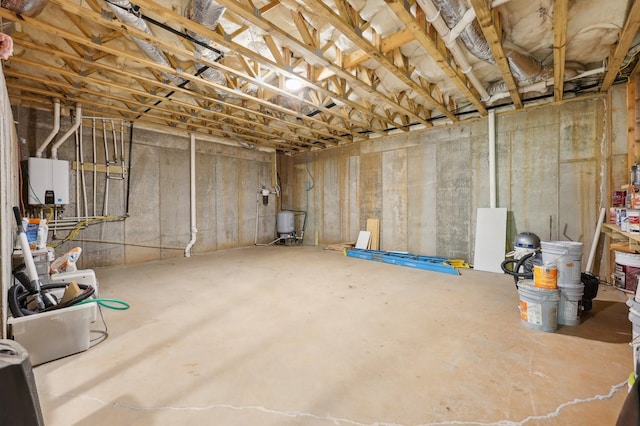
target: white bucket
570 306
538 307
634 317
625 271
567 255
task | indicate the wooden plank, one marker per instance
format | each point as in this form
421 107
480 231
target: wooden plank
488 25
618 54
491 239
100 168
373 226
560 12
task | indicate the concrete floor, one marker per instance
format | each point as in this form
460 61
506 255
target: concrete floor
302 336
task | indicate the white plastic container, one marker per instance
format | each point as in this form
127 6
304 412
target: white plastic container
538 307
55 334
567 255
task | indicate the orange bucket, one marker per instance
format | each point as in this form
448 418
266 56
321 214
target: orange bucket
545 276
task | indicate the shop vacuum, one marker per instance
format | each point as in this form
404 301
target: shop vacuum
527 253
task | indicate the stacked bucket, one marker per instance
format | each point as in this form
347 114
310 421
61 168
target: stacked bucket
567 257
634 316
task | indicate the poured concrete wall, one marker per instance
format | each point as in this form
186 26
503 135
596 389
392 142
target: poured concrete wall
158 222
8 199
555 166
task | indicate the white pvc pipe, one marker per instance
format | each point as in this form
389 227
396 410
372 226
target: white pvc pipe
76 124
95 169
596 238
105 204
496 3
492 158
194 230
54 131
468 17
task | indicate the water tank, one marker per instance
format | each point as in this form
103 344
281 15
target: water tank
285 222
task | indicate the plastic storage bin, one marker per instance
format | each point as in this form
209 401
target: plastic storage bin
55 334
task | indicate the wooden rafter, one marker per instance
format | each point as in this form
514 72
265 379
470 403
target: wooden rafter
354 33
304 50
155 66
435 47
627 35
150 93
560 12
489 27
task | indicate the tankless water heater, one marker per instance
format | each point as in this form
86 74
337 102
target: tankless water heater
47 181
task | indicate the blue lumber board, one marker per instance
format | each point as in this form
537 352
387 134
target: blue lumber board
428 263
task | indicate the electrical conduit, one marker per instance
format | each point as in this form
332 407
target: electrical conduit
194 230
76 125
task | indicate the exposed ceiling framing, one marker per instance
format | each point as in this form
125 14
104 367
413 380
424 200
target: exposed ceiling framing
366 67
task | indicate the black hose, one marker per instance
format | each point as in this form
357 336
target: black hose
17 296
519 263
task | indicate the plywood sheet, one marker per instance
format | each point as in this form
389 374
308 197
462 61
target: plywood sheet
491 236
373 226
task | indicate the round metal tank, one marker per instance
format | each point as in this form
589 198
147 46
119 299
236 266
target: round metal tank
285 222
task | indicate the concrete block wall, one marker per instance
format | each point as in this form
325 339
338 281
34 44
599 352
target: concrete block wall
158 223
556 166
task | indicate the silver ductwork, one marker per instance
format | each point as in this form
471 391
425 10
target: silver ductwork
207 13
525 69
29 8
452 12
125 11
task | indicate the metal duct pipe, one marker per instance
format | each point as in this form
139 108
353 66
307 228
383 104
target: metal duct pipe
126 12
452 12
207 13
54 131
433 16
31 8
76 125
525 68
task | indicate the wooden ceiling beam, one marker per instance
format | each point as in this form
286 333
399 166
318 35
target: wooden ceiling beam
354 34
629 31
132 31
314 56
436 49
489 27
152 65
560 13
249 15
141 94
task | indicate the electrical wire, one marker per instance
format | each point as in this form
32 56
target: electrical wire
103 334
80 226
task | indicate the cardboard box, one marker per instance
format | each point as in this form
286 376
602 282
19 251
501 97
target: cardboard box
51 335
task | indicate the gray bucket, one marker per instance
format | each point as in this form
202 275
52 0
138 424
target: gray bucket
570 307
538 307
